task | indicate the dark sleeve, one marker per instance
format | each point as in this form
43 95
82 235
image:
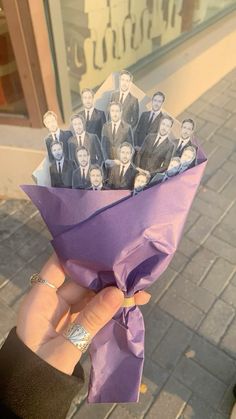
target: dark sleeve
98 150
104 144
48 143
31 388
52 176
137 130
167 159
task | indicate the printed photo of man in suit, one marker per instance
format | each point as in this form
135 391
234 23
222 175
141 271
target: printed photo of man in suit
61 169
80 177
141 180
157 149
114 133
83 138
149 121
173 169
129 102
55 134
96 178
186 134
95 119
188 158
122 175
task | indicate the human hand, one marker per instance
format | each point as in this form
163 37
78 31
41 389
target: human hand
46 312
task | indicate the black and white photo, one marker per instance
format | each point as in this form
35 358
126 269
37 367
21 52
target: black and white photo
55 134
83 138
122 175
61 168
80 177
95 118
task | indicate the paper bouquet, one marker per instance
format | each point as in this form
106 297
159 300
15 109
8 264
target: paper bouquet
120 235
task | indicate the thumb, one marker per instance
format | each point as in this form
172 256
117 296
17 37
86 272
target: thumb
100 309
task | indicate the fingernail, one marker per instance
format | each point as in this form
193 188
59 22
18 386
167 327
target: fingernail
113 296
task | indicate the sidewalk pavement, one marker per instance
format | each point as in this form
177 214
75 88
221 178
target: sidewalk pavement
190 364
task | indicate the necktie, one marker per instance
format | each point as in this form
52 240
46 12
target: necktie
122 172
156 142
122 98
151 118
54 137
180 145
59 168
87 119
114 131
83 175
80 141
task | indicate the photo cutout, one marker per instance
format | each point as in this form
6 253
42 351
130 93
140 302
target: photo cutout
120 132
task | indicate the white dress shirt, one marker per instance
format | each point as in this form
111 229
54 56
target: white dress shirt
90 111
125 94
117 124
126 166
56 135
82 138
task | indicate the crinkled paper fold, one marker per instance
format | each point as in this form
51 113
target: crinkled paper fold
112 238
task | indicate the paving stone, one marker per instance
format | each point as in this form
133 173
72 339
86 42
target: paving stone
218 180
9 206
171 401
233 157
217 159
212 359
38 262
229 218
181 310
95 411
223 141
231 123
9 264
197 106
201 229
172 346
192 293
159 287
16 286
18 238
207 130
218 319
8 226
192 218
139 409
199 265
230 105
33 247
209 147
200 381
226 132
228 401
155 373
214 198
224 250
225 234
230 189
218 277
179 261
197 409
187 246
210 116
206 208
229 295
228 341
233 280
229 167
156 326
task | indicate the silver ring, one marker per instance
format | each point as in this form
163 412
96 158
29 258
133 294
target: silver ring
36 279
78 335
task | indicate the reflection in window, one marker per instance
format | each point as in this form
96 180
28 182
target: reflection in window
107 35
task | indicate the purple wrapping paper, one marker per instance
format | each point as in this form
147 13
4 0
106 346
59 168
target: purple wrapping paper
112 238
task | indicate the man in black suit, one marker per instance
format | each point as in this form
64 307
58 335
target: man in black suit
61 169
149 121
141 180
157 149
188 158
83 138
80 177
55 134
130 105
122 175
187 130
96 178
95 119
114 133
172 170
